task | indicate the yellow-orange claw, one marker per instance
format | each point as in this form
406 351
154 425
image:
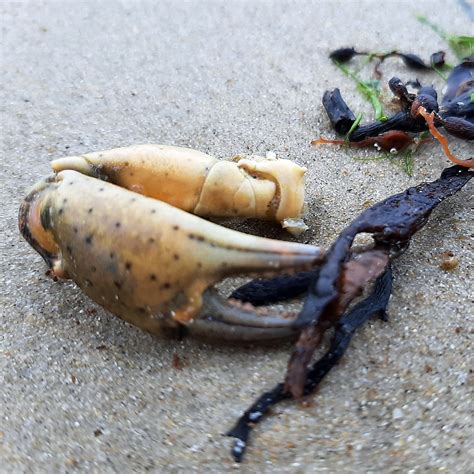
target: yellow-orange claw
247 186
150 263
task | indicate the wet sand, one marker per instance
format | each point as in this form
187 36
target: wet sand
84 391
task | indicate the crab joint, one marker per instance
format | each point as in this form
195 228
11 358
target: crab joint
246 186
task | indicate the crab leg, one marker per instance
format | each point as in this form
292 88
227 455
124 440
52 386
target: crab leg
247 186
144 260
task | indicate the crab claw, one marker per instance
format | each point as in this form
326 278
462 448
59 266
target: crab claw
144 260
249 186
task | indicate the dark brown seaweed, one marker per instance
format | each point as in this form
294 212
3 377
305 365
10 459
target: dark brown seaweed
427 98
375 304
392 223
413 61
271 290
437 59
391 141
402 121
459 76
340 116
460 107
262 291
459 127
460 87
343 54
430 120
399 90
457 102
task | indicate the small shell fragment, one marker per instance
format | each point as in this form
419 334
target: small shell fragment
294 226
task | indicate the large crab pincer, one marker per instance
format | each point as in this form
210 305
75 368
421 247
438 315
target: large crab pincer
147 261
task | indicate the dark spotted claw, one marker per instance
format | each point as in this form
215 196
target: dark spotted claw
150 263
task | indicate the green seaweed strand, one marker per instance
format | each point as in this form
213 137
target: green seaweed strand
461 45
366 89
353 127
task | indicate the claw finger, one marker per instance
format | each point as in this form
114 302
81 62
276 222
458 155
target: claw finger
199 183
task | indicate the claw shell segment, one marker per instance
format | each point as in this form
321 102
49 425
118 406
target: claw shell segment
247 186
142 259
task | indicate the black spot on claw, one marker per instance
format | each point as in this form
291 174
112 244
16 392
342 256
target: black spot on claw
89 239
199 238
45 218
90 210
128 265
118 224
153 277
